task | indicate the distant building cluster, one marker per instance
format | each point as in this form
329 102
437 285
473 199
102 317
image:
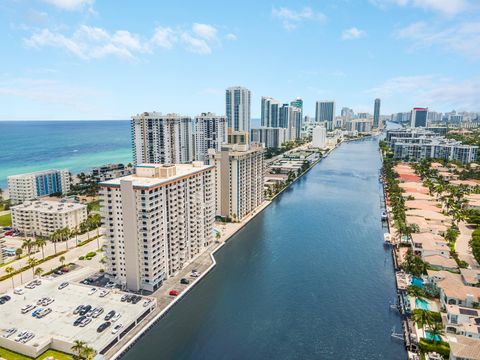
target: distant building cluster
414 144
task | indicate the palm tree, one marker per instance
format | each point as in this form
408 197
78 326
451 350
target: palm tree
10 270
38 271
88 353
18 253
436 331
78 348
66 233
62 260
31 263
422 317
40 243
54 237
75 232
28 244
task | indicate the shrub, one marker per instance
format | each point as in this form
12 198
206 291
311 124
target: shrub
81 258
429 346
91 254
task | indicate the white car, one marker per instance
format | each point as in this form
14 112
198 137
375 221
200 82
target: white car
85 322
9 332
27 308
18 291
28 337
20 335
116 328
104 293
116 317
47 301
147 302
63 285
92 291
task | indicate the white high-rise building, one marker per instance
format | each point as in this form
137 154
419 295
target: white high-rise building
31 186
319 137
210 133
156 221
239 172
42 218
325 111
291 119
238 104
162 139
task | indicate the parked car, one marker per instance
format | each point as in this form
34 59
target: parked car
92 291
36 312
124 298
97 312
44 313
110 315
104 293
147 302
116 328
79 320
20 335
185 281
29 336
47 301
27 308
77 309
102 327
85 310
18 291
9 332
63 285
85 322
116 317
136 299
174 293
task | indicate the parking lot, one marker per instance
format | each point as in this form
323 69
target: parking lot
55 329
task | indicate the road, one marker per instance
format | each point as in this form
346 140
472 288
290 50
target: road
462 247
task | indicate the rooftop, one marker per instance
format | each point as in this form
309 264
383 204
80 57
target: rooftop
152 175
53 207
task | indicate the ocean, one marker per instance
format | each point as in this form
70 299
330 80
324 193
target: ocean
27 146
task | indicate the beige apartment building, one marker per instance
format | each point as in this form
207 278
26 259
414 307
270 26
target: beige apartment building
239 172
44 217
156 221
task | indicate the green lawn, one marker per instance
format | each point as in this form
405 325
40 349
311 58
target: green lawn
6 220
10 355
94 206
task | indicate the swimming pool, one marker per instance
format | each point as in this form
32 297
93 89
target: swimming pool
430 337
417 282
422 304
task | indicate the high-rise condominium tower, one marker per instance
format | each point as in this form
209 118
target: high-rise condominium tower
419 117
210 133
270 112
376 114
325 111
156 221
237 101
162 139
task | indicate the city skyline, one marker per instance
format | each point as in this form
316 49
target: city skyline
65 57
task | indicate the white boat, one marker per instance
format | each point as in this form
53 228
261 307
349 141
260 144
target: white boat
387 238
384 216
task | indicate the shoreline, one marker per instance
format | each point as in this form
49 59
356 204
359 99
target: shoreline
118 354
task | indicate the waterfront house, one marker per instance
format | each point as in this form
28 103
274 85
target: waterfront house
464 348
453 291
440 262
462 321
425 244
470 277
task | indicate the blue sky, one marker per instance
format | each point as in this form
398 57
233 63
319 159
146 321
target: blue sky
87 59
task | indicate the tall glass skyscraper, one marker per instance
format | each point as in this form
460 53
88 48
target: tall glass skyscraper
419 117
237 101
376 114
325 111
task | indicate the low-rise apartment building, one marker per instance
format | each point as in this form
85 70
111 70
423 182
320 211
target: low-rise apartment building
30 186
43 218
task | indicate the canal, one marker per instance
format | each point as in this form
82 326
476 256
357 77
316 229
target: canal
308 278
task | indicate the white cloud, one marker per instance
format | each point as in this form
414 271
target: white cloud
164 37
291 18
196 45
70 5
231 37
446 7
205 31
353 33
432 90
91 42
463 38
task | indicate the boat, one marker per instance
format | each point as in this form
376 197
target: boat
384 216
387 239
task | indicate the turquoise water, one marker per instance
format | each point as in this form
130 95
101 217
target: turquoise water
27 146
422 304
417 282
430 337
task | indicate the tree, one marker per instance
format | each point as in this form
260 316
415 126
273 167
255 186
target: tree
436 331
10 270
18 253
32 262
28 244
54 237
422 318
414 265
38 271
41 243
62 260
82 351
